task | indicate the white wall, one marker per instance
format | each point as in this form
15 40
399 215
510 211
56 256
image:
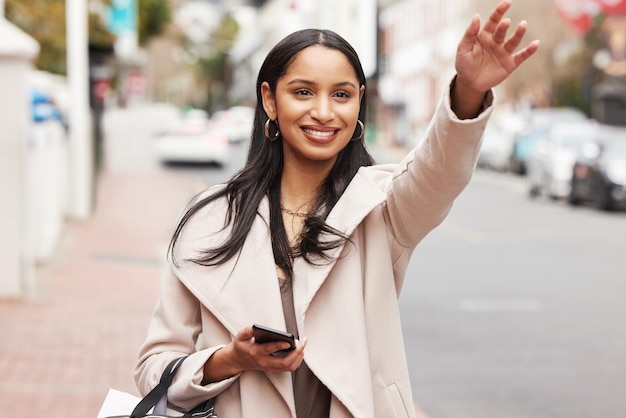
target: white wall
16 52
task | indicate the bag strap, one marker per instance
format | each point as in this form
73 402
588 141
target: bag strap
159 391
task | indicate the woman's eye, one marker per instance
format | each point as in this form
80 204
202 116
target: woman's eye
303 92
343 94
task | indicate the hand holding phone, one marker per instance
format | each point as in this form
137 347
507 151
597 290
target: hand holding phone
263 334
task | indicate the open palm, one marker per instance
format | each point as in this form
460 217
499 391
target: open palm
485 57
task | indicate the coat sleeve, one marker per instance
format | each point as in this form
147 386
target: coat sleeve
172 333
434 173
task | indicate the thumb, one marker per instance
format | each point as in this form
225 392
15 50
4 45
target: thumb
470 36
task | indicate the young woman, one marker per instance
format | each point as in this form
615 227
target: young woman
312 238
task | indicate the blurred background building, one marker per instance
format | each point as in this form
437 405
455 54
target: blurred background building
206 53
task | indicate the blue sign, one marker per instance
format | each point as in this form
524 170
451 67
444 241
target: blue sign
122 17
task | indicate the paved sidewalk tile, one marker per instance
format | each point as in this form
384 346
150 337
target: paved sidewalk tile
63 347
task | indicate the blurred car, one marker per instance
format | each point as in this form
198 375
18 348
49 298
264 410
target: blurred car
549 168
599 175
192 140
497 142
538 124
235 122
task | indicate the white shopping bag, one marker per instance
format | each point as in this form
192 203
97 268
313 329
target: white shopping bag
119 403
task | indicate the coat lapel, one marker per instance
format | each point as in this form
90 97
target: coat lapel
361 196
242 291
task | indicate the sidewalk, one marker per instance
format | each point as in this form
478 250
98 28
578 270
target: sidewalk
61 349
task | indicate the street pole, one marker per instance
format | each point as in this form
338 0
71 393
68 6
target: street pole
80 139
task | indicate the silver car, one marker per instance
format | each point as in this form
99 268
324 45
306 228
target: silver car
550 165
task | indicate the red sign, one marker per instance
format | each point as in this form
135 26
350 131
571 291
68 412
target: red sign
613 7
101 89
581 13
136 83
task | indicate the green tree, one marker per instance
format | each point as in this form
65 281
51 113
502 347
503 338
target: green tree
214 68
575 79
154 15
44 20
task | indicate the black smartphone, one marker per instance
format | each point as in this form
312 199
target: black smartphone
263 334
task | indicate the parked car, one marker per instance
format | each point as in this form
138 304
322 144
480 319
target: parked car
497 143
549 168
538 124
599 174
235 122
192 140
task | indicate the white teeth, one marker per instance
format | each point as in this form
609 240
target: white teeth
319 133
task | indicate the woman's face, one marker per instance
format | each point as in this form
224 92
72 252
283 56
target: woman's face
317 104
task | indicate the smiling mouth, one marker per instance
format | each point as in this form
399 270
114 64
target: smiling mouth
319 133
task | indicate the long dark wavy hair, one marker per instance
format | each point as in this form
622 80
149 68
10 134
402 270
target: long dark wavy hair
261 175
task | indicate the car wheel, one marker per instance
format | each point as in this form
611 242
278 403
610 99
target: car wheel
602 200
572 199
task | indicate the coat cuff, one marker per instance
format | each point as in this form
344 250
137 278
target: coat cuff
187 390
487 104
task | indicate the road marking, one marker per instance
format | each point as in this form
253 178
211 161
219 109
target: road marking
478 237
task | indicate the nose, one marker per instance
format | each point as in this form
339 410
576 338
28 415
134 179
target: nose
322 110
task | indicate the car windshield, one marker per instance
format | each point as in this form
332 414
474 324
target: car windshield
616 148
573 141
543 118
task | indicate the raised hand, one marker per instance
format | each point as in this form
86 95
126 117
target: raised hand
485 57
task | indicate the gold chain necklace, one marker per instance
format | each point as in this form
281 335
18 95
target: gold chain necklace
293 212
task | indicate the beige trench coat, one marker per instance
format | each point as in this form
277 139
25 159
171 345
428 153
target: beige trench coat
348 308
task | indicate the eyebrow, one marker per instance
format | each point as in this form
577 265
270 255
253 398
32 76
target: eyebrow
312 83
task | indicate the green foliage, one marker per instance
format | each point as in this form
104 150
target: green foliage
99 35
573 83
153 16
215 68
573 92
44 20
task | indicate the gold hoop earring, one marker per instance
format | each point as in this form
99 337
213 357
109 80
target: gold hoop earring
360 136
276 134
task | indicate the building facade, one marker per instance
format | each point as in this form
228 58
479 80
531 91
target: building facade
417 50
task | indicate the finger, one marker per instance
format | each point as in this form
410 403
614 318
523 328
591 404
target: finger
274 348
500 33
525 53
302 343
295 359
496 16
245 334
516 39
470 36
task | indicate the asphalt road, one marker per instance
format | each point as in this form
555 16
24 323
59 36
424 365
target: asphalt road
512 308
515 308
